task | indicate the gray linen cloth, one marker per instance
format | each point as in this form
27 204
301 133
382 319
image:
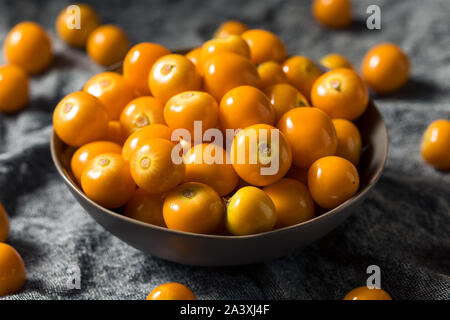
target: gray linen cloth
403 226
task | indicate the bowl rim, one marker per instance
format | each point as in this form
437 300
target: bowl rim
359 195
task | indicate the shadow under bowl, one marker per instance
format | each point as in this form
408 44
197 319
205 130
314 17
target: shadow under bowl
214 250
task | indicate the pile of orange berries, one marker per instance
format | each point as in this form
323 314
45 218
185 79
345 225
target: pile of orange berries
123 125
125 128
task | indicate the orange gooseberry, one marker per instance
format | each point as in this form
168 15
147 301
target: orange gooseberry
229 28
28 46
171 291
67 28
112 89
299 174
349 140
310 133
172 74
209 164
153 168
89 151
249 211
301 73
107 44
335 61
107 180
271 73
140 137
435 146
186 107
332 180
225 71
195 55
284 97
12 270
4 224
115 133
193 207
138 63
146 207
139 113
364 293
243 106
14 88
232 43
261 154
341 93
293 203
80 118
385 68
264 46
333 13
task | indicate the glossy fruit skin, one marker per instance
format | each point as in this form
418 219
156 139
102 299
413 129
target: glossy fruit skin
80 118
364 293
140 137
349 140
138 63
193 207
14 88
89 21
107 44
341 93
259 172
89 151
152 167
335 61
250 211
139 113
310 133
199 168
112 89
435 146
244 106
293 203
106 179
225 71
385 68
284 97
195 55
171 291
4 224
186 107
172 74
229 28
146 207
332 180
264 46
271 73
333 13
232 43
12 270
115 133
28 46
301 73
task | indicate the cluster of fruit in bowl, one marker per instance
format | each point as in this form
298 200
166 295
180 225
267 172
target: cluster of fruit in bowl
121 126
127 128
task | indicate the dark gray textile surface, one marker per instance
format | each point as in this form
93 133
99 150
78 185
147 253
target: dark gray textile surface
403 226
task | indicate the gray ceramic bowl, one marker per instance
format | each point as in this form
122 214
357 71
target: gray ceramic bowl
212 250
